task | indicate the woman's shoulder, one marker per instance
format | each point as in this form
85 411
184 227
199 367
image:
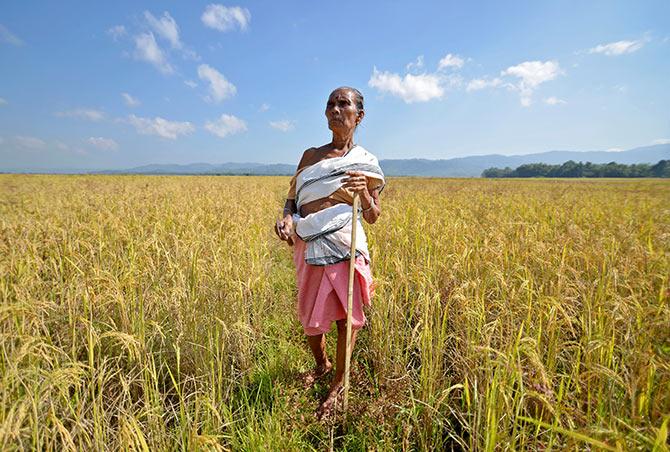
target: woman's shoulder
309 157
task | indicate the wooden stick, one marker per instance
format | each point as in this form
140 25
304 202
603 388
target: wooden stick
350 299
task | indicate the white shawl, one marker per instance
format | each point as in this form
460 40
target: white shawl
325 177
328 231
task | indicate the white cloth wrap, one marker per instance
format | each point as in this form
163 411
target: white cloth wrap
328 231
326 176
328 235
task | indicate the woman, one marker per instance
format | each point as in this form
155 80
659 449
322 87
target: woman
317 219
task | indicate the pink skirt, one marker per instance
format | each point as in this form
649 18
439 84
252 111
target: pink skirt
322 291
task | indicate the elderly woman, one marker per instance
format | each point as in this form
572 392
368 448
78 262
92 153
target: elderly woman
317 220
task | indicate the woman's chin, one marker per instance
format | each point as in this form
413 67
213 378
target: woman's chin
337 126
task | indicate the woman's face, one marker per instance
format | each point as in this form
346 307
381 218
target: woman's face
341 111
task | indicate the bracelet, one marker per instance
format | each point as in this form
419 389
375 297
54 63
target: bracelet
372 205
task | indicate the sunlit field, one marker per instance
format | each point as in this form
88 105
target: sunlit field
157 313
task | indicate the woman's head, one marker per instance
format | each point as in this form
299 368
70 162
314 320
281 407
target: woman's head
344 109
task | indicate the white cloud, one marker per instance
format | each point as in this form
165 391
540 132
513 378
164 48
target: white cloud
264 107
284 126
525 101
219 88
415 65
29 142
450 60
190 83
451 81
614 149
554 101
165 27
130 100
161 127
619 47
661 141
3 101
410 88
482 83
531 74
9 37
117 32
66 148
146 49
226 125
225 18
106 144
88 114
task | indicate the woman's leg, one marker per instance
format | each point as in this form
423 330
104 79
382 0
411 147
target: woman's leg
336 385
318 346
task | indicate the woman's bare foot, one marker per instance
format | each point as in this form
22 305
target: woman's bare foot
311 376
327 408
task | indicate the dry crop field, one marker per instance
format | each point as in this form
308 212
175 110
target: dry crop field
157 313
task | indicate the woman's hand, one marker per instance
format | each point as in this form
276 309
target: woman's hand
358 183
284 228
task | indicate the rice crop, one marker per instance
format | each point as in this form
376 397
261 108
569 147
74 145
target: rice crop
158 313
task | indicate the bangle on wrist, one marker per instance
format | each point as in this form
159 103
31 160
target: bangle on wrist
372 205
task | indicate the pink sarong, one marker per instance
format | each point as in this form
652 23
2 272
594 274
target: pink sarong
322 291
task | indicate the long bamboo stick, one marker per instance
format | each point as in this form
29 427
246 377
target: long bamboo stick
350 299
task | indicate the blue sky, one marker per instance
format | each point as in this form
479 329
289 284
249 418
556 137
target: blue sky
125 83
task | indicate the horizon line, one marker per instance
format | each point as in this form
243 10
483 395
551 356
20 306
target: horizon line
75 170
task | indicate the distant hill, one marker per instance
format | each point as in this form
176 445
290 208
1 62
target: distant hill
457 167
474 165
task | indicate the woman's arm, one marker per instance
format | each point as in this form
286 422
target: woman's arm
284 227
370 204
372 210
290 208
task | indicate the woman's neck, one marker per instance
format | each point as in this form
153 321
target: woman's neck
345 142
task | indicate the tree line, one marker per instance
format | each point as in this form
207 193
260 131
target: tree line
579 169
